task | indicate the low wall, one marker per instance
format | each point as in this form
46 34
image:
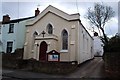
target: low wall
11 60
15 61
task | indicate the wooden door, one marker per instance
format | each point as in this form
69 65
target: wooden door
42 51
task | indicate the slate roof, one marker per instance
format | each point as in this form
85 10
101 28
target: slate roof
17 20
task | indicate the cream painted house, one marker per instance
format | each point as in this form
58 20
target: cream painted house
98 45
54 29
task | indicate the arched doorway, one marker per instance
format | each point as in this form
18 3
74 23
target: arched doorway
42 51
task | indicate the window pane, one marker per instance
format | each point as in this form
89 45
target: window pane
11 28
10 44
64 40
9 47
50 29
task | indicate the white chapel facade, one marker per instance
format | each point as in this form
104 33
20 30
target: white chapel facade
55 30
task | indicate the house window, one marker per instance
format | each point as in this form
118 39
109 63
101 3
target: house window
9 47
50 29
11 28
64 40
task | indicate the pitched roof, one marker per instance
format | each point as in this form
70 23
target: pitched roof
51 9
17 20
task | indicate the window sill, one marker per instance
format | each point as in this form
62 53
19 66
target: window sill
65 51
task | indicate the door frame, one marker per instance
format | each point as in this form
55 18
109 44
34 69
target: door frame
43 51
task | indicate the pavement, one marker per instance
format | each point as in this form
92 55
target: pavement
93 69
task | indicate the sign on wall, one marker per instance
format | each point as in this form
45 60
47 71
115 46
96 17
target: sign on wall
53 56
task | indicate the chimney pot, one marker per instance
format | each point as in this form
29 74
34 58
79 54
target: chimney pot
95 34
37 12
6 18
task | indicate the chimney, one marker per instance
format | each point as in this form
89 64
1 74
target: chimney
6 18
95 34
37 12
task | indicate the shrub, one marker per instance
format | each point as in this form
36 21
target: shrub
112 57
113 45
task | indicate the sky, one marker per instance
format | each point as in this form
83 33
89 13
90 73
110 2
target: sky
25 8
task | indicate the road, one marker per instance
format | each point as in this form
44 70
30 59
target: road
90 69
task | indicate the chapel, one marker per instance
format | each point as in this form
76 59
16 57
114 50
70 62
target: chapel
54 35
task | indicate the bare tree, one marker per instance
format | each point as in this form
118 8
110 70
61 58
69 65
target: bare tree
99 16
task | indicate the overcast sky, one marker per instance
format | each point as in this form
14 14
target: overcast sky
25 8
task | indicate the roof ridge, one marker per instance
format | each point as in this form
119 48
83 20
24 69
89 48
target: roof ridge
18 20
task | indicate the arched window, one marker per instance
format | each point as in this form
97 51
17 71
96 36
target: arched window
33 39
64 40
35 33
49 29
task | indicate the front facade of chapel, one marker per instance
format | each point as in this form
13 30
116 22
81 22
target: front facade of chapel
55 30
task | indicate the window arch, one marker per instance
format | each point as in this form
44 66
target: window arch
50 29
35 33
64 40
33 38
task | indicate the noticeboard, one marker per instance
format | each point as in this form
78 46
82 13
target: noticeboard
53 56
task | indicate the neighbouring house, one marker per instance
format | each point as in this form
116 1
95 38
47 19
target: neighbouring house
98 45
12 33
56 31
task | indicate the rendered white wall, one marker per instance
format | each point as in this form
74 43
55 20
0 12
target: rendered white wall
98 46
